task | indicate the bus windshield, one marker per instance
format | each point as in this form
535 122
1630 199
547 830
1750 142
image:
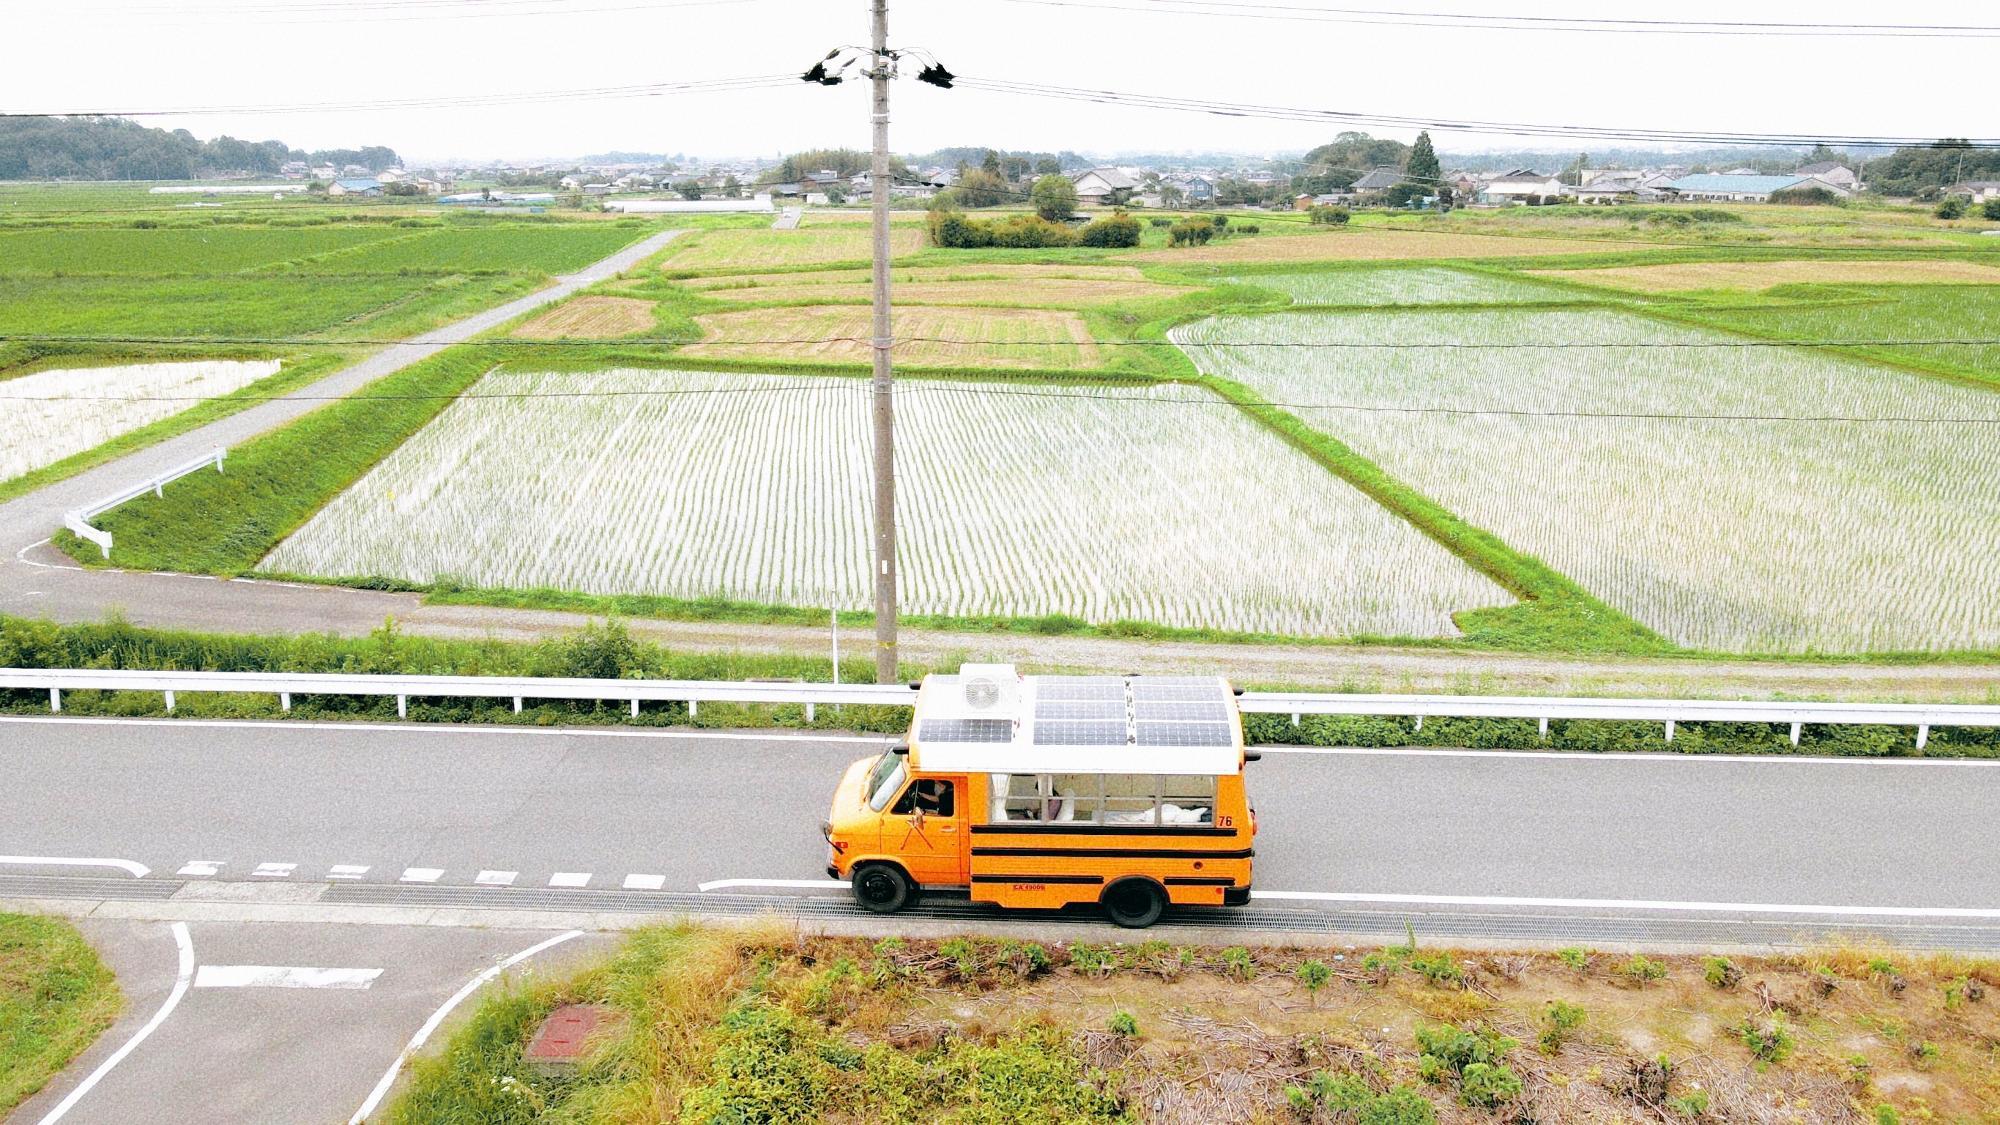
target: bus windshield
886 779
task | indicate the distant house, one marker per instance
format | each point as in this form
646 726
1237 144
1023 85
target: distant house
325 172
426 185
354 186
1728 187
1324 199
1378 179
1833 172
637 181
571 182
1979 191
1521 184
1621 186
823 178
597 189
1095 186
1195 189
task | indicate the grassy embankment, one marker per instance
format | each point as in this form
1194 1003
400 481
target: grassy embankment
56 998
715 1025
610 652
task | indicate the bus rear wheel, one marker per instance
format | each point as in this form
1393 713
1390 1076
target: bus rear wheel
1135 903
882 888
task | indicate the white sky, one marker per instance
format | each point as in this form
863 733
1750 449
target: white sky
116 55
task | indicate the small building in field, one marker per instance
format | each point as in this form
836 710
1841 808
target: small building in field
1979 191
1377 179
1096 186
1728 187
1520 185
354 186
1833 172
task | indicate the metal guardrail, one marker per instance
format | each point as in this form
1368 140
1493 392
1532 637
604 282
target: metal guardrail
1666 712
77 520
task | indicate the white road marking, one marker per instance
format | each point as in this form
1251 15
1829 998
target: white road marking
185 943
421 874
1634 904
1618 756
791 884
496 878
202 867
274 870
136 870
282 976
347 871
645 882
570 879
467 728
430 1025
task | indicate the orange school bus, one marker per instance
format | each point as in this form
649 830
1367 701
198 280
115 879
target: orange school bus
1048 791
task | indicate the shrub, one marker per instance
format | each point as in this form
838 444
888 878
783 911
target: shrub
1721 972
1770 1043
1031 232
1092 960
1313 975
1253 228
1991 209
1191 232
1161 221
1124 1024
1350 1099
1328 215
1220 221
1694 1103
1237 960
1054 197
1951 207
1642 970
1806 196
1562 1020
1575 957
1438 968
1116 230
1447 1051
1487 1085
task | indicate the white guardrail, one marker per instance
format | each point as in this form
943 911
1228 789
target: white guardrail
78 519
1666 712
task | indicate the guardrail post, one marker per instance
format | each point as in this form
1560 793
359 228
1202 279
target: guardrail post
170 701
1923 735
1545 728
1295 718
517 705
809 711
1420 722
284 701
1795 733
55 699
691 708
402 706
635 706
1670 730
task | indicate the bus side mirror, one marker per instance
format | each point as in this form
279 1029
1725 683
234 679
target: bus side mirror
902 748
1253 755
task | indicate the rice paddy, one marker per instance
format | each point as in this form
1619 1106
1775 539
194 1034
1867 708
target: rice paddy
1838 506
941 337
590 317
763 248
1766 275
1429 285
1043 293
1369 243
1156 504
55 414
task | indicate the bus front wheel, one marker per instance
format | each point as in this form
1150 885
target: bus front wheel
1135 903
882 888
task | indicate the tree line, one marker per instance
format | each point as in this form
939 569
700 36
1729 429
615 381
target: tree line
112 148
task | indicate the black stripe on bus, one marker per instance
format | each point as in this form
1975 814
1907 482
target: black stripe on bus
1199 881
1121 853
1038 878
1065 828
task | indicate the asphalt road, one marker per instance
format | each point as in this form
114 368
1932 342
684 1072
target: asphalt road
684 808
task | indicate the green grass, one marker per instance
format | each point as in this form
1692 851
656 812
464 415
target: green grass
222 523
545 248
227 307
202 250
297 372
1875 312
56 998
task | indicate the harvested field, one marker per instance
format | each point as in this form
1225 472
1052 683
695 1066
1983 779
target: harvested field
590 317
1046 293
1370 243
1764 275
754 488
908 274
764 248
934 336
1401 285
64 412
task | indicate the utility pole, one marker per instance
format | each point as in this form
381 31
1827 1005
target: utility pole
884 405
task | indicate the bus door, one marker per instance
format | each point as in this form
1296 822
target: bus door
926 829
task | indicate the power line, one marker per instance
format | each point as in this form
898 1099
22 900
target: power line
448 101
415 10
660 341
931 386
1382 17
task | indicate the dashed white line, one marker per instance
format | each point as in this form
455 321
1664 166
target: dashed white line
570 879
202 867
423 1034
421 874
496 878
274 870
185 944
645 882
282 976
346 871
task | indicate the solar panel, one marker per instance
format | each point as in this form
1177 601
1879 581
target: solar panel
1182 689
1065 732
967 730
1209 711
1103 709
1080 687
1184 734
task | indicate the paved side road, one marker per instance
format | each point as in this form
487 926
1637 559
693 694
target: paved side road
30 518
440 805
252 1036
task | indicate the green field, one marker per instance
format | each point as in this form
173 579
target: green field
201 250
56 997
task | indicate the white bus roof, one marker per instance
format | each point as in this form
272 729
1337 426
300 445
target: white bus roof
988 719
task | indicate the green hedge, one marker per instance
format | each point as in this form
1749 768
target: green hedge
1601 736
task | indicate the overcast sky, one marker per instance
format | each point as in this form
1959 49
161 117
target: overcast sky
101 55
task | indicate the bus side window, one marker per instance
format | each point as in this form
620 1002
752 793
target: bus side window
930 796
1187 799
